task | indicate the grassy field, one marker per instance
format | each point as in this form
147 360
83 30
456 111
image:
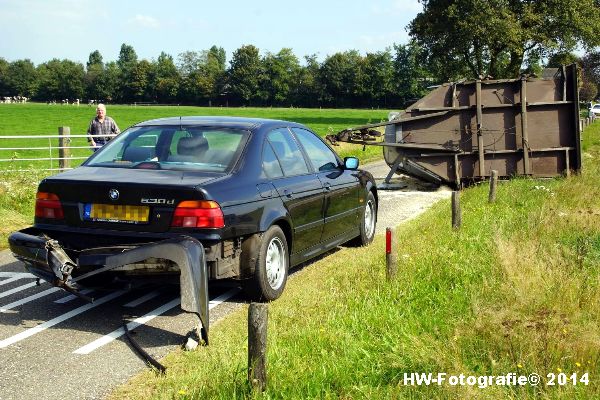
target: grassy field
516 289
17 189
42 119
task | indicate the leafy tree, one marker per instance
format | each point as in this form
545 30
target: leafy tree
166 79
494 37
127 57
3 76
378 78
215 72
112 77
188 66
244 75
127 62
22 78
281 73
140 80
59 80
202 74
588 90
308 90
188 62
95 58
218 55
590 64
562 58
410 74
95 87
339 76
165 67
533 64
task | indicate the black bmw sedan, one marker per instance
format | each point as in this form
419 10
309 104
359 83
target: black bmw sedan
259 195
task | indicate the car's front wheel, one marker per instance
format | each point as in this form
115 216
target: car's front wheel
271 268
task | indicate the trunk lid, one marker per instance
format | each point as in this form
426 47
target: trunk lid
124 199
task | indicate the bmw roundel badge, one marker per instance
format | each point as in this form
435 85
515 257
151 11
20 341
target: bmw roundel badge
113 194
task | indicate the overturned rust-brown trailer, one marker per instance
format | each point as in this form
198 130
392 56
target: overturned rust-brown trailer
462 131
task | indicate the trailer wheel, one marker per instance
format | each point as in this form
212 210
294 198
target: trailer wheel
272 266
367 223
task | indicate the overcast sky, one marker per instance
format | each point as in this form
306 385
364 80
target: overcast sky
72 29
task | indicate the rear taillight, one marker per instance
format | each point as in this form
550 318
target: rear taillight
47 205
198 214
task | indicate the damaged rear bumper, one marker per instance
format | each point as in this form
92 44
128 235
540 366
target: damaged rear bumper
45 258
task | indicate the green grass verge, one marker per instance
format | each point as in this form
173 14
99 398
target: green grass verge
516 289
17 189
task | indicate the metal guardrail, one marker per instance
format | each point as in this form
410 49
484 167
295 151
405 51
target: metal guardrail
56 156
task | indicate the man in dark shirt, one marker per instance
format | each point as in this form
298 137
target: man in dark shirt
101 129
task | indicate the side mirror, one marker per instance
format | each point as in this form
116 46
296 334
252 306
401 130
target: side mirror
351 163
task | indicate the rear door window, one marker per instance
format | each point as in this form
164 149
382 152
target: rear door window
270 163
287 152
207 148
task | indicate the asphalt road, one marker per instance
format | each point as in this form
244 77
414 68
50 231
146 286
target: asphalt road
55 346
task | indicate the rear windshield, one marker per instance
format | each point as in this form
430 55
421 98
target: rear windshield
172 148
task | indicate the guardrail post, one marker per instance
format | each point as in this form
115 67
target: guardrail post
390 254
493 184
257 346
456 211
64 153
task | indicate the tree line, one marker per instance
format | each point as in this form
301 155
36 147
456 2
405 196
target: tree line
345 79
450 40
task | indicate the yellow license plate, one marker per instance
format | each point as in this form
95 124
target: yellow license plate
119 213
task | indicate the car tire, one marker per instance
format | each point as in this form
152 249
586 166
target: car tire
271 268
367 223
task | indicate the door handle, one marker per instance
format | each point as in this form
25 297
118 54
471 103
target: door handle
288 194
327 186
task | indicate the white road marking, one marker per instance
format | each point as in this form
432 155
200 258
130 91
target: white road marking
142 299
9 280
131 325
17 289
70 297
15 278
15 274
27 299
43 326
224 297
88 348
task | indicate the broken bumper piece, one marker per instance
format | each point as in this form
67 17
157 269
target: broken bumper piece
45 258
